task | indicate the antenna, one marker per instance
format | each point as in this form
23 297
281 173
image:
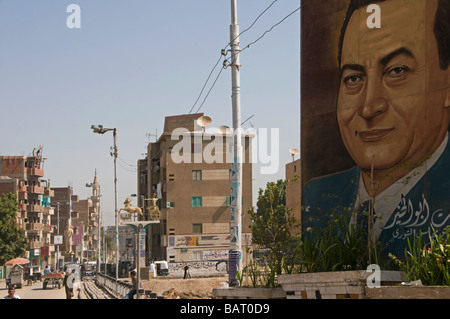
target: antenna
294 152
149 135
204 121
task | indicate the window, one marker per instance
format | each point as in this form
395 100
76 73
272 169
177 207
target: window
171 177
197 228
228 201
196 175
197 255
170 204
197 201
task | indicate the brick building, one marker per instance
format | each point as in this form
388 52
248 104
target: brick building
194 194
22 176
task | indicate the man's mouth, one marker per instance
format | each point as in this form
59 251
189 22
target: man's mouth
374 135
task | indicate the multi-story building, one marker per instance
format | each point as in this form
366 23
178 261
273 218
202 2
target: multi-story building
83 216
21 175
193 194
62 202
94 219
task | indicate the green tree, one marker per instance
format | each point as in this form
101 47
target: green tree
13 242
273 224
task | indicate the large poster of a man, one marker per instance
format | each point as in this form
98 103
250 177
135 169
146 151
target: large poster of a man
376 114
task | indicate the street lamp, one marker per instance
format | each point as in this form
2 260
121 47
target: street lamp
99 129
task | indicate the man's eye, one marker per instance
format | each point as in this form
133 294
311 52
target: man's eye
353 80
397 71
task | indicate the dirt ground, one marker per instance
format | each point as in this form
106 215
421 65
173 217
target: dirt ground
191 288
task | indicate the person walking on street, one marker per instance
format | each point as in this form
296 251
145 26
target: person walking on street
153 269
186 271
68 281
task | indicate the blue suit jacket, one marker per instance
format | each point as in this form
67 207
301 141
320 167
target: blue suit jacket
424 207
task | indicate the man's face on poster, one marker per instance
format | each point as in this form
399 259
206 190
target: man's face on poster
392 92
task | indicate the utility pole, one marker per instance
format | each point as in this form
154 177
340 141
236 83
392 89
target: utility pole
115 206
57 229
235 254
99 129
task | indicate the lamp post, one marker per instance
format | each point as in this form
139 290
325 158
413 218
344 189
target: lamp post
235 255
99 129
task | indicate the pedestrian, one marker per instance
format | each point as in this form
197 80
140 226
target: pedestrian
153 269
11 293
134 283
68 281
186 271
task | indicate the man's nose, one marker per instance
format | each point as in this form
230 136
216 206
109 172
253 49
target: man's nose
374 102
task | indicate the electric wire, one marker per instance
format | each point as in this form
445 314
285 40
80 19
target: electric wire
240 51
220 58
204 100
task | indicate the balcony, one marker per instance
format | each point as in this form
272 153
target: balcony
49 211
34 227
49 192
34 245
35 208
35 172
36 190
48 229
23 195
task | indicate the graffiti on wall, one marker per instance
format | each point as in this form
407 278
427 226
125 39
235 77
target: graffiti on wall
200 267
184 241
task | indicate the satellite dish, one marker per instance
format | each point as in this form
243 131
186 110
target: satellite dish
204 121
294 152
223 129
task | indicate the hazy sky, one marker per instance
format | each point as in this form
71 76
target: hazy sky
132 63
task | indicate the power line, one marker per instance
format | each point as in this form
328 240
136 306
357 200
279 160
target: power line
206 82
267 31
246 47
131 165
220 57
218 75
257 18
127 169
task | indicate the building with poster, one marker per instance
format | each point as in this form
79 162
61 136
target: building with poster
375 116
193 193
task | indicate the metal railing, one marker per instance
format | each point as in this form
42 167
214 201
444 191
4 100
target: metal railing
119 289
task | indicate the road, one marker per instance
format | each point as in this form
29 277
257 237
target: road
35 291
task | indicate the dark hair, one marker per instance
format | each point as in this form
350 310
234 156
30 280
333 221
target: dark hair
132 272
441 28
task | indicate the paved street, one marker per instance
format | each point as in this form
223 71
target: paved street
34 291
